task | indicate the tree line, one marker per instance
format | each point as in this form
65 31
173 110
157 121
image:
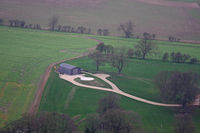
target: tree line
117 57
178 57
109 118
22 24
127 28
181 88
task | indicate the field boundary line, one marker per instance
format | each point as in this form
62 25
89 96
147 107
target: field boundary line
35 105
44 78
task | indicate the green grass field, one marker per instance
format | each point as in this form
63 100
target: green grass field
96 82
85 101
161 20
163 46
137 79
26 53
24 56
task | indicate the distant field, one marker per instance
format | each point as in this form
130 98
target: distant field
24 56
163 20
186 0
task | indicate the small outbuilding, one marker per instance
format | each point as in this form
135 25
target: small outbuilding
68 69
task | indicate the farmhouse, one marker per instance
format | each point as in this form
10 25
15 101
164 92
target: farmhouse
68 69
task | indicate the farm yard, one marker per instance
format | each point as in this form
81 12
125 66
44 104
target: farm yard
132 82
137 79
26 53
94 66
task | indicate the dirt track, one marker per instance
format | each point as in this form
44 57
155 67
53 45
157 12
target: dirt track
36 103
114 89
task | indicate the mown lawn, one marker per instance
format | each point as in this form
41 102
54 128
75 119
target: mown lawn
24 56
85 101
137 79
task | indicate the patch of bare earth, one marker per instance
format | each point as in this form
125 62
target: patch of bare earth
68 3
70 97
191 27
171 3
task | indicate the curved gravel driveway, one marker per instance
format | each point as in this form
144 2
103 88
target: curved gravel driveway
114 89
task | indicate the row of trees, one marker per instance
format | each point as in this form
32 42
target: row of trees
107 54
109 118
118 56
178 57
53 26
1 21
22 24
103 32
43 122
126 28
173 39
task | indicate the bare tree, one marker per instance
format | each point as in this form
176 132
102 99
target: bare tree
59 27
22 23
98 58
111 101
119 58
101 47
92 123
121 121
184 124
130 53
1 21
43 122
165 56
106 32
11 23
53 23
89 31
16 23
145 47
99 32
127 28
81 29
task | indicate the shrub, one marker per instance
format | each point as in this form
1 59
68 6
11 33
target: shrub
165 56
130 53
193 61
179 57
1 21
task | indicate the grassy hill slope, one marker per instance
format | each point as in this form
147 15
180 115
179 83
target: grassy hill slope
24 56
137 78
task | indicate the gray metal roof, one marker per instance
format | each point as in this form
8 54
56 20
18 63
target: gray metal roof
68 66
